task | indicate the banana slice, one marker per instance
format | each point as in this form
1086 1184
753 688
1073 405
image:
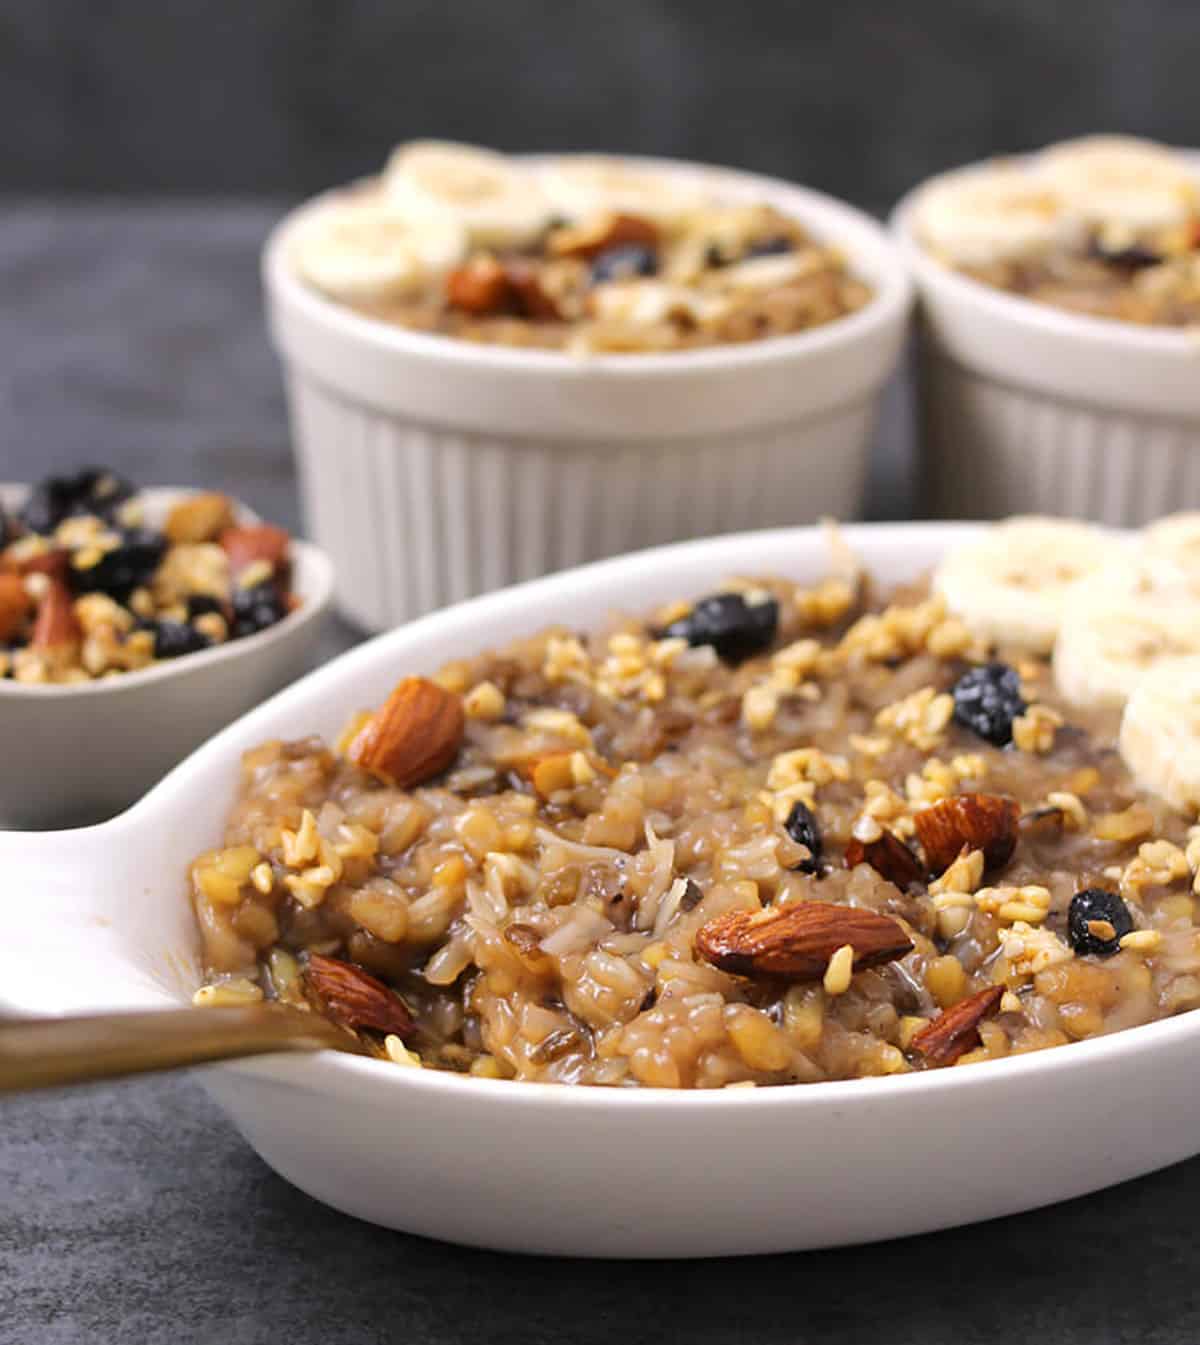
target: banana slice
1160 732
1177 539
647 302
1000 214
588 184
1014 586
359 251
495 200
1106 646
1121 183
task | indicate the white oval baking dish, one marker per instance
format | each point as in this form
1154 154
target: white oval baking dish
99 919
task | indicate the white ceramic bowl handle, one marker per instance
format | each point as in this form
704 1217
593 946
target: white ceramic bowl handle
69 915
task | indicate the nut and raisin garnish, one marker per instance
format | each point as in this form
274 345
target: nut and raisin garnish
778 833
1105 226
736 625
987 700
578 253
1097 921
95 581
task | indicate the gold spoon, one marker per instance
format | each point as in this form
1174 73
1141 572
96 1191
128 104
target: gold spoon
51 1052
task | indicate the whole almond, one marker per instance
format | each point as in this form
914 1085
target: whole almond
413 736
527 291
355 998
481 286
888 856
15 604
796 941
199 518
956 1031
55 563
987 822
56 624
254 542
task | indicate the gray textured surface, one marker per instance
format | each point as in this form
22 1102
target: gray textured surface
862 97
131 335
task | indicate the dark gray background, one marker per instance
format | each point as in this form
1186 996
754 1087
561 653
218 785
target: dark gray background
130 333
860 97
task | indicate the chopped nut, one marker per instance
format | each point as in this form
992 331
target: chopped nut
1034 731
484 701
1143 940
839 970
199 518
604 231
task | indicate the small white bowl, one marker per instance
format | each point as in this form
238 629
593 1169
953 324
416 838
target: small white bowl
99 920
1026 408
77 752
434 469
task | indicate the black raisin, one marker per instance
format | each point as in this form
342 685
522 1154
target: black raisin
987 700
127 566
735 628
771 247
256 608
175 638
93 490
624 263
802 827
692 896
714 257
1131 258
1097 904
200 604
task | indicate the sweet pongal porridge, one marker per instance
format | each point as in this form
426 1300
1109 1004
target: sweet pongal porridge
782 834
580 253
1107 226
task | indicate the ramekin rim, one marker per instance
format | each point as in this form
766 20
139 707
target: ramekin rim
890 303
1016 309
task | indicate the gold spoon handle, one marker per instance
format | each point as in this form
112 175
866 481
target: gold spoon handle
50 1052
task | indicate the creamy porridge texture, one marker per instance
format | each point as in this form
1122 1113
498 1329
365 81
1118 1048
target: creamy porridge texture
581 253
780 834
1107 226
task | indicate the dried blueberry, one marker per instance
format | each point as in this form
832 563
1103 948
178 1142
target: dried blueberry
200 604
127 566
93 490
987 700
771 247
1096 905
174 638
802 827
1131 258
735 628
256 608
624 263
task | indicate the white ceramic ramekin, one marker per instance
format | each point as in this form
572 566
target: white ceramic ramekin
1026 408
81 751
435 469
99 920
